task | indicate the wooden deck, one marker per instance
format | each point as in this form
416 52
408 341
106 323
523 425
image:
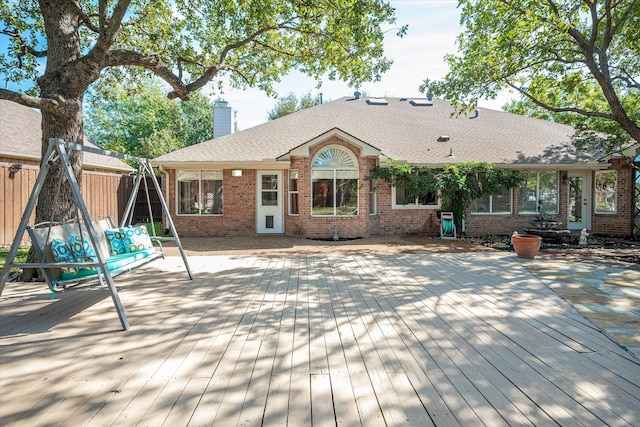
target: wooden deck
321 340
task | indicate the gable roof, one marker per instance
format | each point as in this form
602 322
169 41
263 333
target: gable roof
421 133
303 149
21 138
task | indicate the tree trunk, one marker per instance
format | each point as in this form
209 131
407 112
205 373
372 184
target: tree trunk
63 82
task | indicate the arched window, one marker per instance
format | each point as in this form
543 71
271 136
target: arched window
334 182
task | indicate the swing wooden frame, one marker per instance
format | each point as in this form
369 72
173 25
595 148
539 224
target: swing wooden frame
58 151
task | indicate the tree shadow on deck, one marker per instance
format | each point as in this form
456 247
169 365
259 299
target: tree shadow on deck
461 338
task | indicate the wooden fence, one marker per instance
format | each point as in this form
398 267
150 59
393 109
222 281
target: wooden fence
104 193
141 208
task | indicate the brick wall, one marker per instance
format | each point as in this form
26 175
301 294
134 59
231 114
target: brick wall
619 223
318 227
239 207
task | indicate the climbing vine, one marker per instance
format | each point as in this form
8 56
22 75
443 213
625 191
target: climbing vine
458 184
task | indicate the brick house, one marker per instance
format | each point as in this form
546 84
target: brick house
306 173
106 182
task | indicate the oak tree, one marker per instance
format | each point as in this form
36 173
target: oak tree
63 46
554 53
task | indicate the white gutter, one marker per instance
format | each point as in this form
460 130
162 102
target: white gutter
265 165
38 159
590 165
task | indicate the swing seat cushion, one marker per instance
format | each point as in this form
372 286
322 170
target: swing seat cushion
128 240
73 251
58 244
115 264
116 241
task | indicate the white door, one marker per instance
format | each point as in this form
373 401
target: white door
579 201
269 212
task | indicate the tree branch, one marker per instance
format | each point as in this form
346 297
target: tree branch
152 63
24 47
560 109
623 17
85 19
54 106
630 81
211 72
103 13
109 27
247 80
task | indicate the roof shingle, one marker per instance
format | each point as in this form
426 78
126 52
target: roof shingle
21 135
402 130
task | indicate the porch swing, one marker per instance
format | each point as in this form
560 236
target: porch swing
83 249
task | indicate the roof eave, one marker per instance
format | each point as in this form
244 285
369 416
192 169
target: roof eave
85 164
302 150
266 164
589 165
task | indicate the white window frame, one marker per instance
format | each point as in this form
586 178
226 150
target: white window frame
291 192
200 191
372 198
599 193
345 161
557 211
414 205
491 212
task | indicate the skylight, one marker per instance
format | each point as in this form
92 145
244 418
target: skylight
377 101
421 102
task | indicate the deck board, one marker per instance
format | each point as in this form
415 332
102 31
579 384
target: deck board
322 339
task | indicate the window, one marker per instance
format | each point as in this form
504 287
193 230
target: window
199 192
293 192
334 183
540 190
402 200
606 192
269 190
493 203
372 198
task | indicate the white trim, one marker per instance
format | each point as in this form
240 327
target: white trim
587 201
596 192
177 194
537 195
303 149
274 211
337 147
290 192
592 165
335 207
510 212
413 206
264 165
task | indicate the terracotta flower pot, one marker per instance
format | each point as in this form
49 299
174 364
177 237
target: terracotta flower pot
526 245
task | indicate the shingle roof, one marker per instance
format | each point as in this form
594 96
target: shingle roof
21 134
403 130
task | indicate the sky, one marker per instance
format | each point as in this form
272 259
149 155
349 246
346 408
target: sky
433 28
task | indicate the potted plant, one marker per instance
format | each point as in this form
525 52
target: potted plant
526 245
